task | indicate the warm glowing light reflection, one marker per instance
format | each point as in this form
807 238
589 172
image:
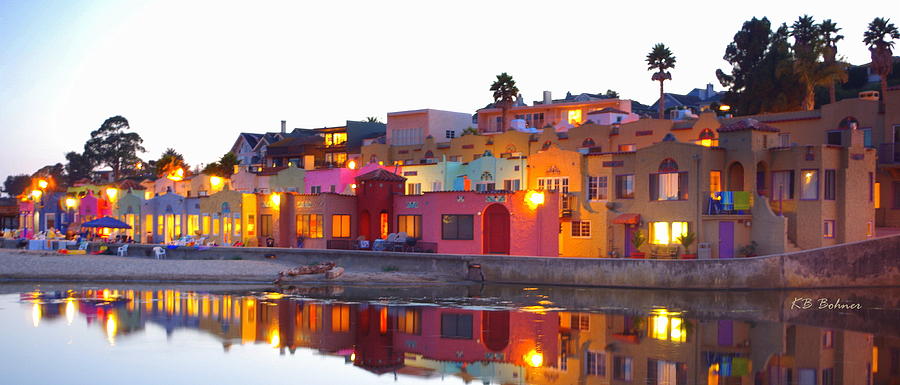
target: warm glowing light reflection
667 326
351 164
724 107
112 327
36 194
216 182
42 183
71 202
534 358
70 310
353 357
274 339
36 314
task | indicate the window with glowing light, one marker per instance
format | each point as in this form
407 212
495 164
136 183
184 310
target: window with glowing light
664 233
715 181
809 184
340 226
409 321
340 318
708 138
384 224
411 225
310 225
828 230
574 117
666 327
335 139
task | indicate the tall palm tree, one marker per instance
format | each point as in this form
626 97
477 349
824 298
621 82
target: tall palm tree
829 37
505 91
660 59
878 37
809 46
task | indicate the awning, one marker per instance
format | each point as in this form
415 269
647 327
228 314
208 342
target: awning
107 222
627 219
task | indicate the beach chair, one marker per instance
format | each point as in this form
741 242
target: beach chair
159 252
122 251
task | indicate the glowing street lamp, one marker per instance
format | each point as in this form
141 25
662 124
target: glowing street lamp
42 184
351 164
36 194
275 200
534 199
215 181
70 203
534 358
111 193
176 174
724 108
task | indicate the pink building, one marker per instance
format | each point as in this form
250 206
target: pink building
92 207
336 180
469 222
412 127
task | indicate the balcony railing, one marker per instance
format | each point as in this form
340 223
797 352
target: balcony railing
727 203
889 153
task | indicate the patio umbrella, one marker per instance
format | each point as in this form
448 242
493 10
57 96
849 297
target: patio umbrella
107 222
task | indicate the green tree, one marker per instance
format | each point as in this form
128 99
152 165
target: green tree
112 146
611 94
15 185
169 161
224 167
78 166
829 36
754 84
878 37
660 59
505 91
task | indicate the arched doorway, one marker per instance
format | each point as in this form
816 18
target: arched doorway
761 179
736 177
365 224
495 330
495 230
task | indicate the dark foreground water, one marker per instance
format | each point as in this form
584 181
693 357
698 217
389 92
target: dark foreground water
102 334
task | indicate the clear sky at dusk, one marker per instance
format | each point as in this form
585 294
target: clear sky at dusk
192 75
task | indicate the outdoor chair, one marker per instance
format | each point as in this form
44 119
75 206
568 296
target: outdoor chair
159 252
122 251
83 245
399 242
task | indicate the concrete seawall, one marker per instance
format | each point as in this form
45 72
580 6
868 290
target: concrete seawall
870 263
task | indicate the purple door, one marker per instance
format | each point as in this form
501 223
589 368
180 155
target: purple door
726 239
629 233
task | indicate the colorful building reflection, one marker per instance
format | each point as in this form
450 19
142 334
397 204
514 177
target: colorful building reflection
530 345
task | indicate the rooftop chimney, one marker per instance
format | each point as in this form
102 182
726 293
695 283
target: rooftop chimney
283 127
547 98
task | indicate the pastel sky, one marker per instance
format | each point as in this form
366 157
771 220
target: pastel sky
193 74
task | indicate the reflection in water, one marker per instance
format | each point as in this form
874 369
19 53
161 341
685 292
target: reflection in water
527 345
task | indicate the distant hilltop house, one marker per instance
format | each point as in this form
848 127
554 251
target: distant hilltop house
682 106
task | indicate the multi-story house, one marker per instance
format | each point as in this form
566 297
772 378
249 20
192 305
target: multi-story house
560 114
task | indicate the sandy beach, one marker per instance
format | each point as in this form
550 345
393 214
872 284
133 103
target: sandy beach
50 266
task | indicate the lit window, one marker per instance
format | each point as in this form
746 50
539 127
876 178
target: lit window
340 226
310 225
411 225
708 138
715 181
664 233
666 327
414 189
869 229
877 195
809 185
383 225
627 147
574 116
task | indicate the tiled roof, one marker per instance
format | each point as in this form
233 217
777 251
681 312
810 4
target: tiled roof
747 124
382 175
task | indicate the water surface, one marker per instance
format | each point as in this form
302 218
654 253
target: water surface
89 334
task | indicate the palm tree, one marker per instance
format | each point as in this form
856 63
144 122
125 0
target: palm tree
372 119
880 49
829 37
660 58
809 46
505 91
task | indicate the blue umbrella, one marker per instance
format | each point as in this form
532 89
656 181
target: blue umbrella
107 222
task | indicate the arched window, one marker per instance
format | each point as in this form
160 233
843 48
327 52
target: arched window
429 154
668 165
708 138
588 142
486 176
510 148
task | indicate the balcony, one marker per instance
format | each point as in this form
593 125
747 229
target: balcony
889 153
727 203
